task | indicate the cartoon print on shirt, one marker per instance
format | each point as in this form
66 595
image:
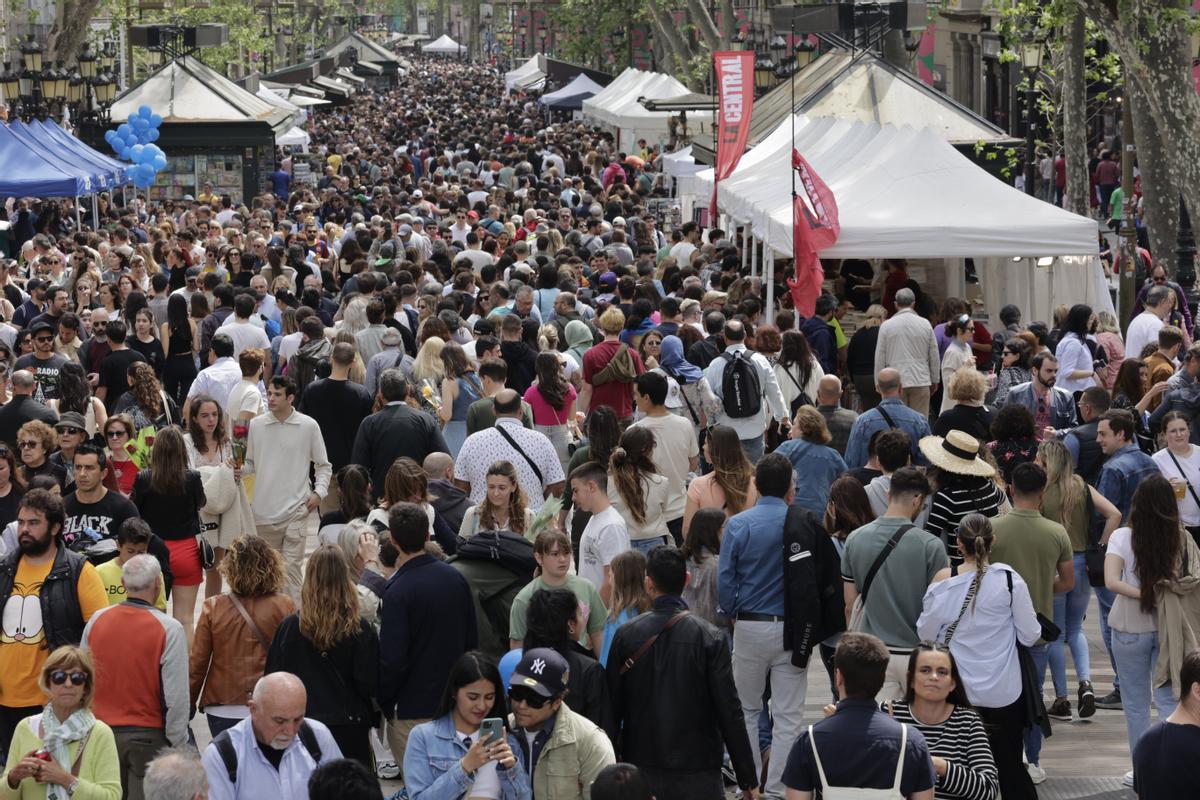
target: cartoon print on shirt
22 622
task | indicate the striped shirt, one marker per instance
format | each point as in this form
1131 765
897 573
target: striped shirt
967 495
961 740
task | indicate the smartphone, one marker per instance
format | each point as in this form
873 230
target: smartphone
492 730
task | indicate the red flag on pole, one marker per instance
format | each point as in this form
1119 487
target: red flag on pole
814 227
735 87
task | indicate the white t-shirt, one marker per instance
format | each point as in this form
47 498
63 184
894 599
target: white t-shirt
675 443
604 538
656 496
245 397
682 253
1189 512
246 334
1143 329
486 783
1126 614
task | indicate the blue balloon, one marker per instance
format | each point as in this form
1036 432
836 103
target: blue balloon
152 135
123 153
508 664
135 153
160 163
155 120
123 130
109 136
139 123
144 111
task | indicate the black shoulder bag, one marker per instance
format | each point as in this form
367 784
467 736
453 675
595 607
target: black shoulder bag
541 478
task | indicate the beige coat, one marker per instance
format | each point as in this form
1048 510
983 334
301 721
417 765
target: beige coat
569 763
1177 608
906 343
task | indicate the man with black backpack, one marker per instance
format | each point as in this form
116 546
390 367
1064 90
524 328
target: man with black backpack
742 380
272 752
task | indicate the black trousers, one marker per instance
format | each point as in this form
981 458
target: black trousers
10 717
668 784
675 528
1005 729
355 743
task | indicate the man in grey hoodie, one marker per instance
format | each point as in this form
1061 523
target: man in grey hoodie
893 448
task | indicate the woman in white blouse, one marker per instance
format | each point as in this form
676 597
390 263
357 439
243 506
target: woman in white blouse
1076 362
958 354
981 611
638 493
797 370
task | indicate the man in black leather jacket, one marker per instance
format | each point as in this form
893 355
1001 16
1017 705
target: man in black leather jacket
672 687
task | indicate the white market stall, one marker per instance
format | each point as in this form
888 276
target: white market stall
571 96
529 77
617 108
296 137
905 192
443 46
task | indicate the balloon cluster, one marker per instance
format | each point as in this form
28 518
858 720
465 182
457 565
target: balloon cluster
134 141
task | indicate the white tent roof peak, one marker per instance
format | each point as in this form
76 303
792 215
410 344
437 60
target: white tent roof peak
443 44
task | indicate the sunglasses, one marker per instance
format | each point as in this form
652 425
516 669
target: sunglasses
529 698
70 430
28 445
59 677
43 338
116 434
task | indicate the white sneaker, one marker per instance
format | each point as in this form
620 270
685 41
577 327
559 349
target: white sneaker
387 770
1036 773
1128 779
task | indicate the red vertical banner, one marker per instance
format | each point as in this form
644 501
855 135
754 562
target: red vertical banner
735 93
815 227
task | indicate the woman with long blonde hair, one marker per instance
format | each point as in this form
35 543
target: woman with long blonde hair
730 485
169 497
358 370
1069 501
428 364
334 651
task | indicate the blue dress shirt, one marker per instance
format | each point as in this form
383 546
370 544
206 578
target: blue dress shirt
750 573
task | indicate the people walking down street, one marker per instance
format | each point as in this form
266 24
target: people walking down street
676 454
959 331
680 754
906 344
746 385
729 486
963 484
816 464
965 390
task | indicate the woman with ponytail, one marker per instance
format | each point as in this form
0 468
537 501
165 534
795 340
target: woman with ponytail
982 610
637 491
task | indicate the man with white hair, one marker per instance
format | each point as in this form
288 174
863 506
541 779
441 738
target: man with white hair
272 752
906 344
176 774
141 657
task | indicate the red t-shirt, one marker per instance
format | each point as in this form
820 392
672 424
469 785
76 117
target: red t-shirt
126 472
614 394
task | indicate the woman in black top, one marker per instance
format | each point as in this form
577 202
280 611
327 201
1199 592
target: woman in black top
169 497
334 651
145 340
860 358
11 486
179 337
36 440
1014 439
968 414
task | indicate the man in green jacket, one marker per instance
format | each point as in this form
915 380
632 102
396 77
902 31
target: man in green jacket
561 750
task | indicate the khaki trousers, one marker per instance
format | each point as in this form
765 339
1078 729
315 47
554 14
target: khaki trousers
398 731
916 398
289 538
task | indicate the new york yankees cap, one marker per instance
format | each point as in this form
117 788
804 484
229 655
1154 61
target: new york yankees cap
543 670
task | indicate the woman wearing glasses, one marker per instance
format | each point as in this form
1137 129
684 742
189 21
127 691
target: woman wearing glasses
958 353
1014 368
36 440
118 432
81 750
936 704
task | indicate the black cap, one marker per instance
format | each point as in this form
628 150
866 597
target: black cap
543 670
40 325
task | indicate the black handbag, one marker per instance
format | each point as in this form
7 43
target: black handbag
1033 705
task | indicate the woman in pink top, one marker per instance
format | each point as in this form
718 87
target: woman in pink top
1108 336
730 485
552 399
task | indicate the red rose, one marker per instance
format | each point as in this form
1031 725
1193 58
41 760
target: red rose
149 441
131 448
241 431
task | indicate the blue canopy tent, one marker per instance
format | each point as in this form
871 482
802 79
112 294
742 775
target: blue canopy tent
29 173
60 156
115 169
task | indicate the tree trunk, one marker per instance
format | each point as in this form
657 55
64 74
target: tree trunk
704 24
70 29
677 46
1074 106
728 23
1160 191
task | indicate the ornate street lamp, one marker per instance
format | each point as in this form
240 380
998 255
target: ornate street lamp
1031 63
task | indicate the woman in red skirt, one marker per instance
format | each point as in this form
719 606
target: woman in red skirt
169 497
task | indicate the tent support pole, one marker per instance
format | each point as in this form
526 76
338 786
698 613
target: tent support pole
78 221
753 259
769 275
95 211
745 245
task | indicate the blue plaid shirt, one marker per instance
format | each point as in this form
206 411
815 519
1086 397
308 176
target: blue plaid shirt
1122 473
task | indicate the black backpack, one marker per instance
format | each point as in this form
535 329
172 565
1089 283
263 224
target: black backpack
225 749
509 550
741 391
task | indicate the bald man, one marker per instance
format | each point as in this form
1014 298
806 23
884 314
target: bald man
272 752
890 413
22 407
449 500
839 420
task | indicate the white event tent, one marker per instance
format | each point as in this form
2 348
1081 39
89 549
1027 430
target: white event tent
618 109
529 77
573 94
443 45
905 192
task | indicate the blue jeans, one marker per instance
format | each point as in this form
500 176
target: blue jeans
1033 736
753 448
1135 654
1105 600
644 546
1070 608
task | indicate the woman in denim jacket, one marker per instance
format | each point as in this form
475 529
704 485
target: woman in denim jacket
445 759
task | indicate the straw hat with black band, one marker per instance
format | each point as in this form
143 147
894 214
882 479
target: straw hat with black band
957 453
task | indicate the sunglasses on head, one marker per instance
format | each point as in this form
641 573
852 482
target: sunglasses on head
59 677
529 698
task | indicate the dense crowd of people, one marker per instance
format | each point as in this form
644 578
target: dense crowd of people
583 514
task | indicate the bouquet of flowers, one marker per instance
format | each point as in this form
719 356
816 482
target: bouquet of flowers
140 446
430 395
546 517
238 444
